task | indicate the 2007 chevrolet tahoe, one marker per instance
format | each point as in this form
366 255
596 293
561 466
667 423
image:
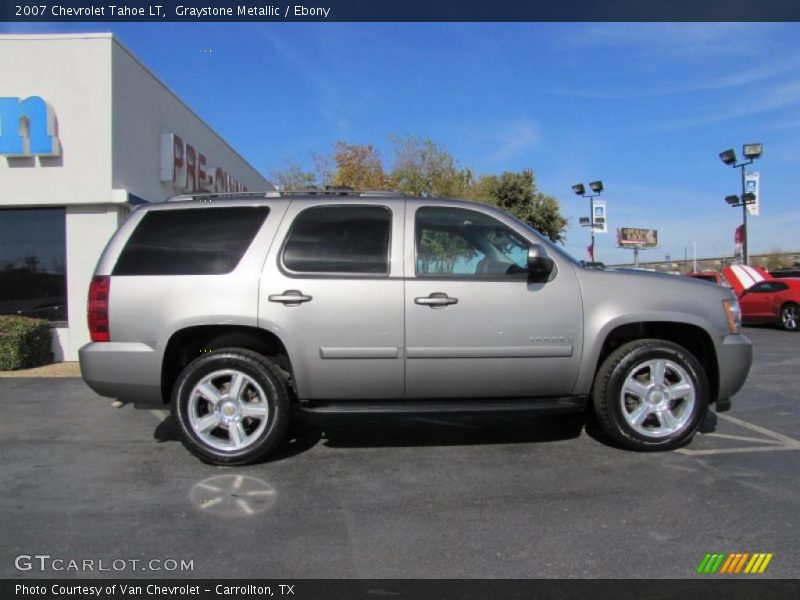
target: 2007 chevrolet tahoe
234 308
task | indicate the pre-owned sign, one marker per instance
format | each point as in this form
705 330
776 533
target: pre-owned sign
189 171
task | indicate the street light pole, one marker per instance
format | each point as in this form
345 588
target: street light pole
751 152
580 190
744 205
744 214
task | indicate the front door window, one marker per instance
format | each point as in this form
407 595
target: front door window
454 242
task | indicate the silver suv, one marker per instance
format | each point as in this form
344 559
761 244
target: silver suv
238 309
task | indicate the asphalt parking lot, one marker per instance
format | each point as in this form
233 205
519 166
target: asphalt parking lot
506 496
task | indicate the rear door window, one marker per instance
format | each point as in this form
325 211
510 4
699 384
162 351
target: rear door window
202 241
340 239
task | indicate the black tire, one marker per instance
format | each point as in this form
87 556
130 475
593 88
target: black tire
611 408
273 394
790 317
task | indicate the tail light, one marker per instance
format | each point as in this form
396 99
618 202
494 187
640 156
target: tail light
99 290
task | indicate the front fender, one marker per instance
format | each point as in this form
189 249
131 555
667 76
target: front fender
599 329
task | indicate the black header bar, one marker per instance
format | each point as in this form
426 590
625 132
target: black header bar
62 11
704 587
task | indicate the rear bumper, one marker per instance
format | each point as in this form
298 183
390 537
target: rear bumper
129 372
734 356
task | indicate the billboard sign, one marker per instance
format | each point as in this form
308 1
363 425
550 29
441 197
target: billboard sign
599 216
636 237
752 183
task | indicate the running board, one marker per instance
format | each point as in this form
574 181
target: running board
554 405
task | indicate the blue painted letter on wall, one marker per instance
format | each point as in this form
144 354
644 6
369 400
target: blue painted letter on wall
27 128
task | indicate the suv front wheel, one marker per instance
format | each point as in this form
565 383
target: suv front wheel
231 406
651 395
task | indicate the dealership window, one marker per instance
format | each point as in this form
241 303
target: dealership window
33 263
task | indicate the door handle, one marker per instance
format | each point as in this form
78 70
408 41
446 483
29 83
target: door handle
436 300
290 298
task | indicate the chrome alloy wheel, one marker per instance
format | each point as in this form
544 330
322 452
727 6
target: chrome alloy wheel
657 398
228 410
790 317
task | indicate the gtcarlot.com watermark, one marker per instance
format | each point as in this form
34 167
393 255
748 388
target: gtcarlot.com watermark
48 563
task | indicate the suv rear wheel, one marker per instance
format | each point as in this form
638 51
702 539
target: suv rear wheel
651 395
231 406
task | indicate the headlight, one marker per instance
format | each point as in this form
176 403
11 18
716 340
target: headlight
734 314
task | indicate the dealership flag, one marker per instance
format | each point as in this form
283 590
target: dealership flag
738 240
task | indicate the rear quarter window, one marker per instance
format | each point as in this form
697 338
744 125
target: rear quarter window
202 241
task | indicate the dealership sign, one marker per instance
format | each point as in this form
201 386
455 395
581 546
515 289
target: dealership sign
599 216
189 170
639 238
27 128
752 182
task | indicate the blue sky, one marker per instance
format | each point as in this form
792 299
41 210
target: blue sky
645 107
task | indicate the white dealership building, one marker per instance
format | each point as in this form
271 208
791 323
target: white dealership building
87 132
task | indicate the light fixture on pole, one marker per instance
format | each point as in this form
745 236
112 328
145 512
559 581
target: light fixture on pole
580 190
751 152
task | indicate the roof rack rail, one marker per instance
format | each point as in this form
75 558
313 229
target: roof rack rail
328 191
222 195
334 191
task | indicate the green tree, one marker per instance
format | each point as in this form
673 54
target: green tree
516 193
774 260
423 168
325 168
438 252
358 166
291 176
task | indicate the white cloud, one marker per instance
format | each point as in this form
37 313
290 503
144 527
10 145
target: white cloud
763 100
495 143
511 140
740 78
326 78
675 39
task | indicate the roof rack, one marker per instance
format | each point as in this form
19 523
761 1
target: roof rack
333 191
328 191
222 195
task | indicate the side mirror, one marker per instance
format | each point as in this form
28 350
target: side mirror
539 264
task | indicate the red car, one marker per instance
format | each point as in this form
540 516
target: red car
712 276
764 299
